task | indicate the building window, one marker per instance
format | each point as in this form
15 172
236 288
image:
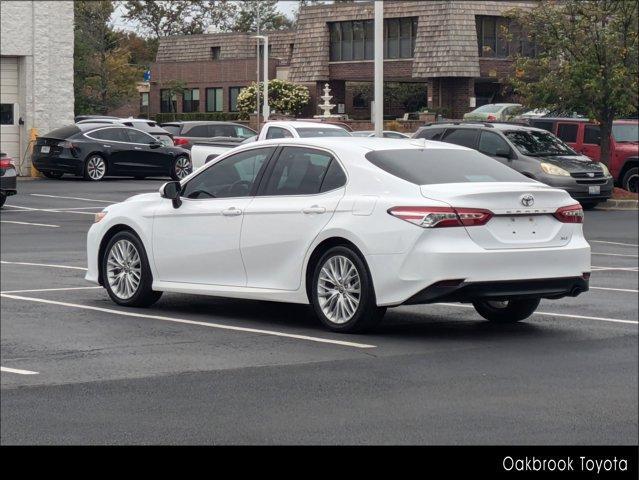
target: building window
492 41
233 93
354 40
261 50
168 101
214 99
144 103
215 53
191 100
6 114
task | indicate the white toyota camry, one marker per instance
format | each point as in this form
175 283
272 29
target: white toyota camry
351 226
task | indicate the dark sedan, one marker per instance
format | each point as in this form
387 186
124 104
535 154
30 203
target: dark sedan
95 151
187 134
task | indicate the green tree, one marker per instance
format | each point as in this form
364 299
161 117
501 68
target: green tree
104 78
270 19
587 60
283 97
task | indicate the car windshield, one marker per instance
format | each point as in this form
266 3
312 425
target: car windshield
490 108
626 132
307 132
362 133
538 143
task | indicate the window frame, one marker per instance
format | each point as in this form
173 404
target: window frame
231 89
172 101
215 105
569 124
193 105
216 52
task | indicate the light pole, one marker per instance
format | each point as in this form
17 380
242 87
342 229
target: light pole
265 106
378 112
257 56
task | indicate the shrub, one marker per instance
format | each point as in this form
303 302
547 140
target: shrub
283 97
213 116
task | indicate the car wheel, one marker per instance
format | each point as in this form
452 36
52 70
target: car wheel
342 293
630 180
508 311
53 174
126 274
181 168
589 205
95 168
3 198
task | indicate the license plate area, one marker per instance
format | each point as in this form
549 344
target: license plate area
522 228
45 149
594 190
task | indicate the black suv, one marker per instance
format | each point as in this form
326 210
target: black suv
534 152
186 134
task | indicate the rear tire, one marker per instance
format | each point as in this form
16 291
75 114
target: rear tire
3 198
126 274
56 175
510 311
630 180
95 168
342 292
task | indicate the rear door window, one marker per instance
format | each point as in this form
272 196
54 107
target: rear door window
592 135
431 133
437 165
461 136
277 132
198 131
492 144
172 129
298 171
110 135
544 125
135 136
567 132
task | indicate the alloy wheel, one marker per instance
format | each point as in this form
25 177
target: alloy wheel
124 269
632 183
96 168
339 289
182 167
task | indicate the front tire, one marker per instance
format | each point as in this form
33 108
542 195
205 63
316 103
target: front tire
95 168
182 167
342 293
3 198
509 311
126 274
631 180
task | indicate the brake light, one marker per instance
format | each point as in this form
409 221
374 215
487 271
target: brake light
177 141
439 217
67 144
491 118
570 214
6 163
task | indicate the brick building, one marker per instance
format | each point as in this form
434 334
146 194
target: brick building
452 48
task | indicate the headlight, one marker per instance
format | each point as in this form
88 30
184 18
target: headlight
99 216
605 169
551 169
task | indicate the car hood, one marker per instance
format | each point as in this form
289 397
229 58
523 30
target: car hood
143 197
572 163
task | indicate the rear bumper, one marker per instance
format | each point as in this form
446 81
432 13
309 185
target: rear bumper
447 291
61 164
8 184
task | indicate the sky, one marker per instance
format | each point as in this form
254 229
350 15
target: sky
287 7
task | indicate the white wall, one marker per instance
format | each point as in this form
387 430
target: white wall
40 35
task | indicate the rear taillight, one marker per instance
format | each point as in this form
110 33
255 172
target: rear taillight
177 141
66 144
439 217
570 214
6 163
491 118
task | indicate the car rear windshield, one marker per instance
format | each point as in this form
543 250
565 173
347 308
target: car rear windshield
438 165
63 132
490 108
322 132
172 129
626 132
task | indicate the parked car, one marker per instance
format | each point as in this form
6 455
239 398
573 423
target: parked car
204 152
8 177
350 225
95 150
386 133
148 126
536 153
80 118
495 112
585 137
186 134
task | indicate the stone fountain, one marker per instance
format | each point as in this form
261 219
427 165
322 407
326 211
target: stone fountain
327 106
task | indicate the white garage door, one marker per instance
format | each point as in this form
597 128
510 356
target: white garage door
9 112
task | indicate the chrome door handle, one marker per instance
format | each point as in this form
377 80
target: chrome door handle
137 148
106 146
314 209
231 212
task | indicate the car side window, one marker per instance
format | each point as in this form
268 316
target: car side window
198 131
334 178
110 134
592 135
221 131
567 132
461 136
232 177
135 136
544 125
243 132
298 171
491 144
431 133
278 132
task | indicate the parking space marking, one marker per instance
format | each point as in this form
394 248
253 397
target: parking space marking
614 243
565 315
615 254
18 371
43 265
72 198
622 269
64 289
193 322
33 224
615 289
49 210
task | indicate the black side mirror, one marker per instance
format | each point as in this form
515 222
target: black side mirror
172 190
155 144
503 153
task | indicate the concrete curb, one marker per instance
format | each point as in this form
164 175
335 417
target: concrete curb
613 204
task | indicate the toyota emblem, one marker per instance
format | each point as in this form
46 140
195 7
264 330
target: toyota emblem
527 200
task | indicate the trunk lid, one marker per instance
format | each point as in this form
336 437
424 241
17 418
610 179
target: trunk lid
515 223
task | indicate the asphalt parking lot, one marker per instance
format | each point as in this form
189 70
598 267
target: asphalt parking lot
76 368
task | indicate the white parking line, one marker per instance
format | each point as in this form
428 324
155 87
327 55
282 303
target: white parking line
18 371
72 198
615 289
192 322
65 289
49 210
565 315
615 255
42 265
614 243
28 223
621 269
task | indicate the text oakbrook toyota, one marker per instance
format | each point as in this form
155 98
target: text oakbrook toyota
352 226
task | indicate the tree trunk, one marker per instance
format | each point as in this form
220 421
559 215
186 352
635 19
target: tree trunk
606 130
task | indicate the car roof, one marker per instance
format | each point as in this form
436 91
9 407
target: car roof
301 124
200 122
501 126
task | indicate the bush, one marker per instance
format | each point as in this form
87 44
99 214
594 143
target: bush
212 116
283 97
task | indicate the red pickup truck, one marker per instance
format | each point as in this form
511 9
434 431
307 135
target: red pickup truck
585 137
